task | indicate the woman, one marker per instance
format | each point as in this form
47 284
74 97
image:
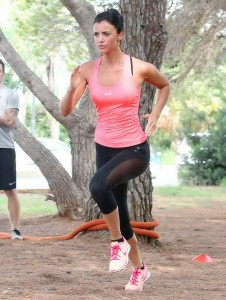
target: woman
122 153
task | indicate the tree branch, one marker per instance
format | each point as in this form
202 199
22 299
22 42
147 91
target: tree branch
35 85
84 14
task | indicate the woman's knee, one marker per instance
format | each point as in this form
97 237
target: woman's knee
96 188
102 195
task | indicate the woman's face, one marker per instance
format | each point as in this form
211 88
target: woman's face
106 37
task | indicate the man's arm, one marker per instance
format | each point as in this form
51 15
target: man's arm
9 118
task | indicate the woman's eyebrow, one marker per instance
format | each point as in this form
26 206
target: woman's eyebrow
106 31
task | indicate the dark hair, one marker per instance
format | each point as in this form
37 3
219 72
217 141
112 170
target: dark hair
3 65
113 17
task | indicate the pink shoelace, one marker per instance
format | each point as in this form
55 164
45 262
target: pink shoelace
115 252
134 277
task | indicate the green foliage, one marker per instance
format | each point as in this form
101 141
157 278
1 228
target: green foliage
42 127
168 156
223 182
48 28
207 165
161 140
64 136
197 97
13 81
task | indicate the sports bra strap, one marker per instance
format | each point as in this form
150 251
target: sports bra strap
131 64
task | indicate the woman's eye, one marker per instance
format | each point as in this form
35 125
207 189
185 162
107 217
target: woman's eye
106 34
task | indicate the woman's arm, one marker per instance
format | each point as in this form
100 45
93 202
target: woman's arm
75 91
150 74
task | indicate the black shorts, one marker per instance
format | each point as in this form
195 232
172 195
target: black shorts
7 169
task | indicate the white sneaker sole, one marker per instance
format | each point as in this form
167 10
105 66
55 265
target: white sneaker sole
18 237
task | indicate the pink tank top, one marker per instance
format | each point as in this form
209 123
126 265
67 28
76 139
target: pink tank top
117 106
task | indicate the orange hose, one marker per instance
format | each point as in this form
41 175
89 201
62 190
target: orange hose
141 228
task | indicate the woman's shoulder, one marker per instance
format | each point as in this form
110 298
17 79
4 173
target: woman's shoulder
90 64
143 67
141 64
87 67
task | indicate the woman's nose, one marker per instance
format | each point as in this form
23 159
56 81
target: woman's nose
100 38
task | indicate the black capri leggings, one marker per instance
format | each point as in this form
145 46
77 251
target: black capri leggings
115 167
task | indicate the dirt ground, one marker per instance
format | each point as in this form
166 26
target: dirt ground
77 268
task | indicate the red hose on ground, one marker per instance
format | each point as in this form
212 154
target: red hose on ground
141 228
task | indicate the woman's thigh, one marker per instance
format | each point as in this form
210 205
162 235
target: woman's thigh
121 165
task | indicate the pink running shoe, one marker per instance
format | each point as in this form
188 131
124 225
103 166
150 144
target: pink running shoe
137 279
119 255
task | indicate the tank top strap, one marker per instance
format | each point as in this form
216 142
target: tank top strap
96 66
94 72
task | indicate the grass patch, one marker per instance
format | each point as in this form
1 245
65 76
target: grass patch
188 196
169 197
30 205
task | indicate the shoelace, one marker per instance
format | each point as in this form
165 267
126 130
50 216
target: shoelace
115 252
134 277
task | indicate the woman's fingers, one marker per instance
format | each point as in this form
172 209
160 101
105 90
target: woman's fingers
75 77
76 70
151 125
150 129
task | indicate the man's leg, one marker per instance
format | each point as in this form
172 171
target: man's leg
14 211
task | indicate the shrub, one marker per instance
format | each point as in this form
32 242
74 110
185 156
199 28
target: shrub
207 161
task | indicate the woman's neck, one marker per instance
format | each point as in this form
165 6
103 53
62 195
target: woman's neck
113 58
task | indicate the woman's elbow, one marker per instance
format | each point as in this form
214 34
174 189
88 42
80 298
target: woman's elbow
165 86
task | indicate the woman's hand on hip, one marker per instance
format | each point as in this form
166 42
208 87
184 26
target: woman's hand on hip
151 126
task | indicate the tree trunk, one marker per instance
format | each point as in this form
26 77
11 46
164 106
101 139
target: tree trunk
67 196
145 38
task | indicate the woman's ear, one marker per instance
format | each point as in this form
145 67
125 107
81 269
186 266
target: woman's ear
120 36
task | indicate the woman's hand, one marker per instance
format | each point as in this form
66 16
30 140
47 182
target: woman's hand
75 78
75 91
151 125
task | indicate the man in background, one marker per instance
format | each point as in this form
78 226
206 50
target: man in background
9 108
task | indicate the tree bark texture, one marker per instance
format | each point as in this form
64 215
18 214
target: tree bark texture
145 38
